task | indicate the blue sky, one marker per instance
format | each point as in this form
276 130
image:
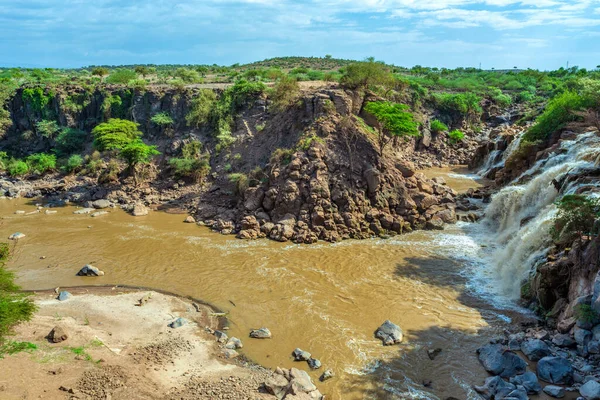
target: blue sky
542 34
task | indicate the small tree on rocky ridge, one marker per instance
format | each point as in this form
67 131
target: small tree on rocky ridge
394 121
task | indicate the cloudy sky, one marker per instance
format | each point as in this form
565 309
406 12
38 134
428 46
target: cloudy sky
543 34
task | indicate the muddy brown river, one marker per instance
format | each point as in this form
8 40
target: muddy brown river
326 298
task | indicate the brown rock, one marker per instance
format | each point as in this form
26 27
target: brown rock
57 334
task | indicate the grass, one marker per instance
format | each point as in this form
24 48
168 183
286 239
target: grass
12 347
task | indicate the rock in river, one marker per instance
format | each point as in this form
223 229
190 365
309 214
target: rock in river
313 363
84 211
139 210
529 381
234 343
555 370
16 236
328 374
498 361
555 391
100 204
64 295
90 270
389 333
262 333
591 390
535 349
301 355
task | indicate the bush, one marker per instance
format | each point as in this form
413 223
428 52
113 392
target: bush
362 75
575 218
464 104
438 126
192 149
284 93
138 152
17 168
243 91
115 134
100 71
47 129
110 173
162 119
201 108
121 76
456 136
41 162
240 181
558 112
197 168
187 75
138 84
70 141
394 121
74 163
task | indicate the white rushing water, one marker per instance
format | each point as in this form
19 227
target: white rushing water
520 216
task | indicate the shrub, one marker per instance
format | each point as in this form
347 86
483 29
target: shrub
525 97
70 141
284 93
394 121
197 168
201 108
558 112
121 76
438 126
138 84
361 75
47 129
243 91
37 98
240 181
41 162
162 119
456 136
463 104
100 71
110 173
192 149
575 218
17 168
138 152
187 75
115 134
74 163
283 156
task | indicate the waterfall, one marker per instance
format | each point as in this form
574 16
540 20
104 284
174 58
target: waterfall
497 158
520 216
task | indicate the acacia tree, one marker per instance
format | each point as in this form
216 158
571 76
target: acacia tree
137 152
361 75
394 121
575 219
101 72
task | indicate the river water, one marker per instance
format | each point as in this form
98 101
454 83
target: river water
325 298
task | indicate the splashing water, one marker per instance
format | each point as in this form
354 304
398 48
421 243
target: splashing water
521 215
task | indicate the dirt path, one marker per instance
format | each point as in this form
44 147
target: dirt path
117 350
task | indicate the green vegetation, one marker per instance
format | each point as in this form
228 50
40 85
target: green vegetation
70 141
15 306
17 168
162 119
557 113
575 219
456 136
201 108
10 347
362 75
585 313
394 121
47 129
137 152
459 105
41 163
121 76
284 93
240 181
438 126
73 164
115 134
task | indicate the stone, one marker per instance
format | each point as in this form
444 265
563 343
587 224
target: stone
555 391
563 340
179 322
328 374
101 204
389 333
406 168
84 211
529 381
495 388
301 382
262 333
90 270
50 212
234 343
557 370
189 220
16 236
535 349
432 354
230 353
582 336
590 390
277 385
20 212
98 214
64 295
498 361
596 294
58 334
314 363
596 332
221 336
301 355
139 210
520 393
594 347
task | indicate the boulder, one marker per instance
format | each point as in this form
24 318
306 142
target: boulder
529 381
314 363
277 385
520 393
179 322
57 335
563 340
90 270
407 168
98 213
230 353
262 333
84 211
189 220
64 295
557 370
495 388
140 210
301 355
221 336
596 294
101 204
16 236
301 382
590 390
328 374
498 361
234 343
555 391
535 349
582 336
389 333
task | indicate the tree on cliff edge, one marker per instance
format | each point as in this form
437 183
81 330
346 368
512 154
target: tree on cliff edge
394 121
362 75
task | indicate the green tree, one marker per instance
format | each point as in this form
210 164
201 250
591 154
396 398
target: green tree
284 93
187 75
576 217
41 163
100 71
438 126
201 108
142 70
121 76
47 129
115 134
138 152
70 140
362 75
394 121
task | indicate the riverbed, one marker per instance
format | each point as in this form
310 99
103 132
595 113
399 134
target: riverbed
325 298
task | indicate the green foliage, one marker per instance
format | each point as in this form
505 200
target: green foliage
438 126
70 141
466 105
394 121
187 75
192 149
121 76
575 218
501 99
37 98
282 156
15 306
142 70
456 136
138 152
115 134
201 108
100 71
73 164
12 347
558 112
47 129
306 141
162 119
585 313
243 91
196 168
362 75
138 84
41 163
110 173
240 181
284 93
17 168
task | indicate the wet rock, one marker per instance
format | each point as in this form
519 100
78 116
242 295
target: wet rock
277 385
189 220
84 211
563 340
529 381
90 270
432 354
389 333
535 349
520 393
555 391
262 333
314 363
557 370
435 223
495 388
590 390
58 334
301 382
221 336
139 210
582 336
98 214
301 355
498 361
101 204
16 236
328 374
64 295
178 323
234 343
